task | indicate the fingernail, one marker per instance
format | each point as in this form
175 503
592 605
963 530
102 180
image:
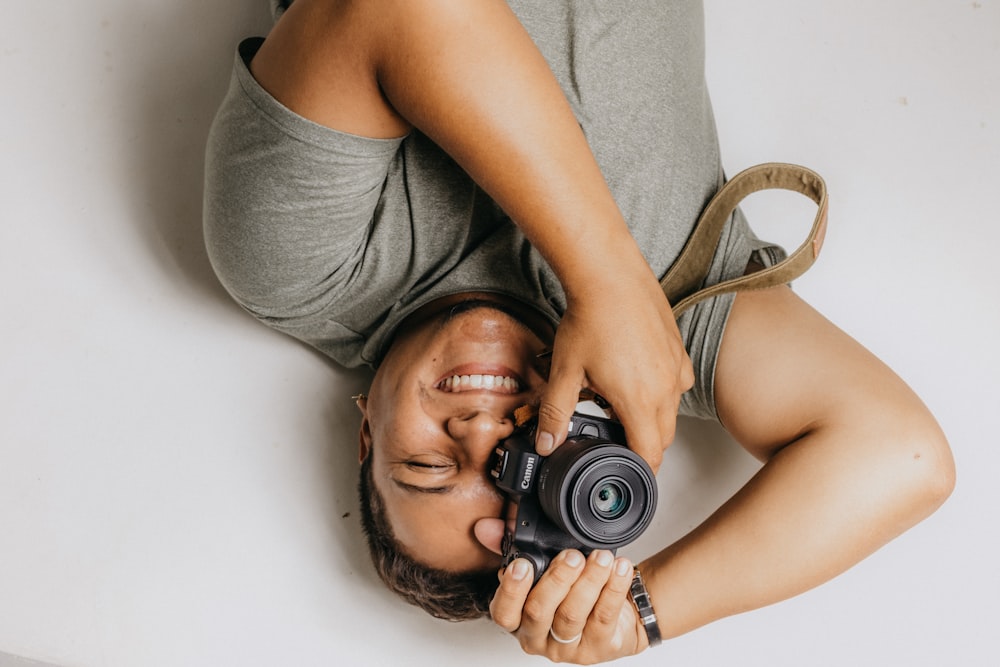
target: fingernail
574 558
544 442
519 569
604 558
623 567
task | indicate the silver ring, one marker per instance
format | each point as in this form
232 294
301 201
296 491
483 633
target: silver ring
559 639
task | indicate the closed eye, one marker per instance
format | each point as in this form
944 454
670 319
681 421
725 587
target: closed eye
413 488
425 467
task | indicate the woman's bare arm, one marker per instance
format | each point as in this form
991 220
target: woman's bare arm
468 75
852 459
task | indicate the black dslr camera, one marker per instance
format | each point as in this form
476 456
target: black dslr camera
591 493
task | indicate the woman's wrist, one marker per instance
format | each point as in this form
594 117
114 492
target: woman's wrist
646 615
607 263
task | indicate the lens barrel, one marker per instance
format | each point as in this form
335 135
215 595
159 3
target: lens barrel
600 492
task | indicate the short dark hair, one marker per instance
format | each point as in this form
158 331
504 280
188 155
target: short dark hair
453 596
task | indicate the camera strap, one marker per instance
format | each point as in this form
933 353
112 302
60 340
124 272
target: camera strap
683 282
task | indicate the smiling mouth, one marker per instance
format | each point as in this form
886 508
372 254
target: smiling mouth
500 384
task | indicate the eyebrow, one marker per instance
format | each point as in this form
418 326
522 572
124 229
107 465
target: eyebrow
413 488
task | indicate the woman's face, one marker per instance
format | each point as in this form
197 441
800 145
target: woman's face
442 399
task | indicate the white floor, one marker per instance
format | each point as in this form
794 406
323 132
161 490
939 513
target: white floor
177 482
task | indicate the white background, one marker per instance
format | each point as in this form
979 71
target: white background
177 482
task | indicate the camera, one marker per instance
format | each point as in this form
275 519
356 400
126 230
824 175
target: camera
591 493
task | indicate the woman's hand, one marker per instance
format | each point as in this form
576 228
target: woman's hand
578 612
619 338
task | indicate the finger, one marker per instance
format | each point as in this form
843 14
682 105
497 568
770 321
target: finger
605 627
550 591
571 617
556 407
686 376
490 532
508 601
648 432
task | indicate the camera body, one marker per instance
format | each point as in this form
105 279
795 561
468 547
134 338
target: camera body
591 493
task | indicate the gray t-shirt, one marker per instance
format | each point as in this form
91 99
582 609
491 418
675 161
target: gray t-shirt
335 239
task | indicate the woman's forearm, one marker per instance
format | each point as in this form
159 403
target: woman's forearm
819 506
469 76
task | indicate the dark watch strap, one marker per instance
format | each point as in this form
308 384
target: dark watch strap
644 606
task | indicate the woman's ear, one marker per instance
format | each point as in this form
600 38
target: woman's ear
365 432
489 532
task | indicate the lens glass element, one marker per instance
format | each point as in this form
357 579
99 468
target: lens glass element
610 499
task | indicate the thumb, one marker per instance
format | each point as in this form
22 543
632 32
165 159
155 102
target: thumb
556 407
490 532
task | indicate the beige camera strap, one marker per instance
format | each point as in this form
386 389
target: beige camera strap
688 273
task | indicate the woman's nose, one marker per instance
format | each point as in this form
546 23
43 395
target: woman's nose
480 430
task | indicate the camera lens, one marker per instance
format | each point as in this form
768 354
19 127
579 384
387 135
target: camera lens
599 492
610 500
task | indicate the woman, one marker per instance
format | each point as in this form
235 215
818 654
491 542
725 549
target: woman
442 189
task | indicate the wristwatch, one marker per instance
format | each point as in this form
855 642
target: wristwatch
644 607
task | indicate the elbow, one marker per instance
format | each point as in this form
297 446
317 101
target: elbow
939 479
928 472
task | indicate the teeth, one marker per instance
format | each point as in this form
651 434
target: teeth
457 383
